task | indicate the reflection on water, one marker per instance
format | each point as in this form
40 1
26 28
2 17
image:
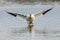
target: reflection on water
23 33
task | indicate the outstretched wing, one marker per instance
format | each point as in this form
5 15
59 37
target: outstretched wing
15 14
42 13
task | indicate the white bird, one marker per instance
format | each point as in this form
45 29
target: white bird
30 19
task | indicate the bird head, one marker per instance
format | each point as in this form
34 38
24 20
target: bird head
30 14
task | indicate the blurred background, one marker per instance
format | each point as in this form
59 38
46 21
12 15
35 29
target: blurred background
28 2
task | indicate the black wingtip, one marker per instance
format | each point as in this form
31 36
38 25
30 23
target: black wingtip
11 14
47 10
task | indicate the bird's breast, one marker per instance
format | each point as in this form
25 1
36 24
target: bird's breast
31 18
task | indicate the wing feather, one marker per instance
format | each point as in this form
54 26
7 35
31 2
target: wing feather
15 14
42 13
